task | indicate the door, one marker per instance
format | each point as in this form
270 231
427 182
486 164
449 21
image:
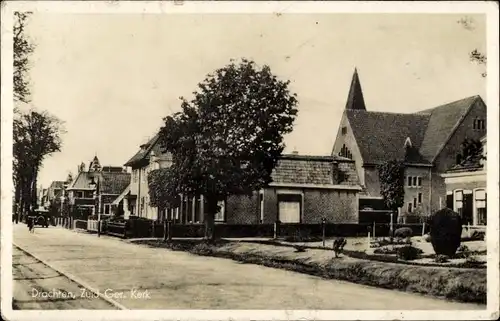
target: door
289 208
467 209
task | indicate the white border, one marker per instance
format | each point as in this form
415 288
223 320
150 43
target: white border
489 8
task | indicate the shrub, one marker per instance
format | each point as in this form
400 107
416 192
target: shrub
385 250
299 248
478 236
440 258
338 246
408 253
446 230
427 237
403 232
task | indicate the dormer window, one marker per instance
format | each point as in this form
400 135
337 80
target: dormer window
407 142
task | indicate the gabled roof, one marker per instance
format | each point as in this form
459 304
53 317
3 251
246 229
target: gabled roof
143 154
56 184
109 182
305 169
113 182
442 123
381 136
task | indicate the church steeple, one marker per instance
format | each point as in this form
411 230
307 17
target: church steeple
355 98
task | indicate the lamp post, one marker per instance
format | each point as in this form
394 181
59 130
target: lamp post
95 186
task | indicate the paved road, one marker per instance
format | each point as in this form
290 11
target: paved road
164 279
33 280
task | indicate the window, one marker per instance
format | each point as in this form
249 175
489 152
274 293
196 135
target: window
414 181
479 124
419 198
409 207
345 152
409 180
480 204
220 215
459 202
79 194
107 208
419 181
344 130
134 175
414 202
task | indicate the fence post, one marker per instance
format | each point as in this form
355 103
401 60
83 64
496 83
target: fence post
374 229
423 229
368 243
98 228
323 226
164 230
153 229
468 229
169 230
276 229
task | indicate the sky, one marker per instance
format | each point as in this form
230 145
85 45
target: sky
112 78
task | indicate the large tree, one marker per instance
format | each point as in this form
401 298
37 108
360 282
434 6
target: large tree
36 136
391 177
228 138
22 49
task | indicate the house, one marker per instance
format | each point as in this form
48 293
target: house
140 164
305 189
110 182
466 189
54 191
428 142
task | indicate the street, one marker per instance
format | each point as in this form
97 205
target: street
32 279
138 277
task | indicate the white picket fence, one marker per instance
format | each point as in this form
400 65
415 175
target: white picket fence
92 225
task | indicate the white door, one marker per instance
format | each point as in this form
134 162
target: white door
289 211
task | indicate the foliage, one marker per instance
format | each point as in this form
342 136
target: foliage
475 55
36 135
228 139
338 246
22 49
441 258
391 176
403 232
386 250
471 152
445 231
408 252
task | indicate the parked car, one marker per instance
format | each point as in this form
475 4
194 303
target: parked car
41 217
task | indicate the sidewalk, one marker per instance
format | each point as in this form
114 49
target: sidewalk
178 280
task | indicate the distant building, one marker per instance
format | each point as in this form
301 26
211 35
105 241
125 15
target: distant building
428 142
149 157
110 182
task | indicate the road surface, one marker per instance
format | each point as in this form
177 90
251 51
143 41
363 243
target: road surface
33 279
139 277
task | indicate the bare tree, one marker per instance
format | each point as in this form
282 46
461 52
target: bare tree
475 55
36 136
22 49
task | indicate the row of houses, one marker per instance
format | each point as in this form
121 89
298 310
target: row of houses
342 187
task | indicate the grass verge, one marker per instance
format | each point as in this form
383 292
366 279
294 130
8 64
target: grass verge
464 285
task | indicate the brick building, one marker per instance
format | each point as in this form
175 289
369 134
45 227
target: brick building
110 182
428 142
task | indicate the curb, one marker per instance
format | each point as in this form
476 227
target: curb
74 279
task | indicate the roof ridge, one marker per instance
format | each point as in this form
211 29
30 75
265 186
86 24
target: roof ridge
387 112
430 110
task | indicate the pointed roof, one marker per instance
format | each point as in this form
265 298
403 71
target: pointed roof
95 165
442 124
355 99
142 156
428 131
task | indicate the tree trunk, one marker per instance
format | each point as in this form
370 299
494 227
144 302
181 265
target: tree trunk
209 218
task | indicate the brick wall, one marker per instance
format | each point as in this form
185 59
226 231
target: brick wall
337 206
447 157
243 209
412 192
